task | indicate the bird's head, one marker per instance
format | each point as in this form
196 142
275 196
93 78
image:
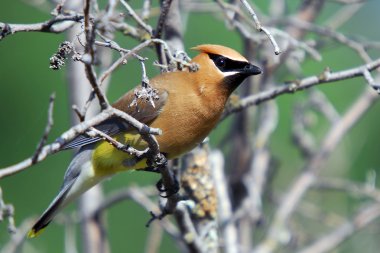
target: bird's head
223 65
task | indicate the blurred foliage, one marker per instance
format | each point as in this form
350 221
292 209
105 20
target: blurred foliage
27 82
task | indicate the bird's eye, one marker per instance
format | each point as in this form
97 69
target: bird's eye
220 62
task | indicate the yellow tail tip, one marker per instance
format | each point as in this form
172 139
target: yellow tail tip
33 233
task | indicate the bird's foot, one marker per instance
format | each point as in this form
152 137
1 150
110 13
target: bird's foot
155 217
167 192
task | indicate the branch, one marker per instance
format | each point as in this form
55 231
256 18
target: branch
118 145
278 232
165 6
162 19
154 239
141 197
54 25
359 47
229 233
189 233
168 184
17 241
7 212
199 191
295 86
124 194
79 129
48 127
331 240
358 190
124 57
145 12
261 28
89 58
139 21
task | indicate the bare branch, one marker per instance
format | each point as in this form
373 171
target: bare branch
140 196
58 24
120 146
354 189
165 6
7 212
154 239
261 28
191 237
48 128
278 232
331 240
360 48
18 238
295 86
121 60
145 13
89 57
80 129
228 230
139 21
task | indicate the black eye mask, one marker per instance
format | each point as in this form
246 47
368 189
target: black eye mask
242 70
225 64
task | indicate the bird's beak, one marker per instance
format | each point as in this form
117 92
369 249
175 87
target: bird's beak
251 69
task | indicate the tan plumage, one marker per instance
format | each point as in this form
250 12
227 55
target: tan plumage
188 108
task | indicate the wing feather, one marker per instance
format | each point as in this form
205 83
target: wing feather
143 111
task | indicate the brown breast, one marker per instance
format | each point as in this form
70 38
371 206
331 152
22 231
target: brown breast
191 111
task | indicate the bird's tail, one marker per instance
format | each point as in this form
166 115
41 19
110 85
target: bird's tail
56 205
78 179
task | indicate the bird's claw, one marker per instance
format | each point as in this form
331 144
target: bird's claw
167 193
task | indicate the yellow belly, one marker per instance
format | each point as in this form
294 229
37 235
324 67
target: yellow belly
108 160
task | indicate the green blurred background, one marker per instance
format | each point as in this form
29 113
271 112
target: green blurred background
27 82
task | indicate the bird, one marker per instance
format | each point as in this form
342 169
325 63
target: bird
188 106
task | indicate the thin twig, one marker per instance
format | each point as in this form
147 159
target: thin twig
89 58
139 21
360 48
47 130
141 197
7 212
354 189
331 240
165 6
295 86
145 12
133 52
118 145
261 28
57 24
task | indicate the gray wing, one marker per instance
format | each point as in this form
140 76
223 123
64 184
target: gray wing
110 127
143 111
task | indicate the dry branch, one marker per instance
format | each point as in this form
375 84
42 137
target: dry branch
261 28
305 83
77 130
330 241
57 24
277 232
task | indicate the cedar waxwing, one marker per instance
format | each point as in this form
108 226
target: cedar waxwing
188 108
